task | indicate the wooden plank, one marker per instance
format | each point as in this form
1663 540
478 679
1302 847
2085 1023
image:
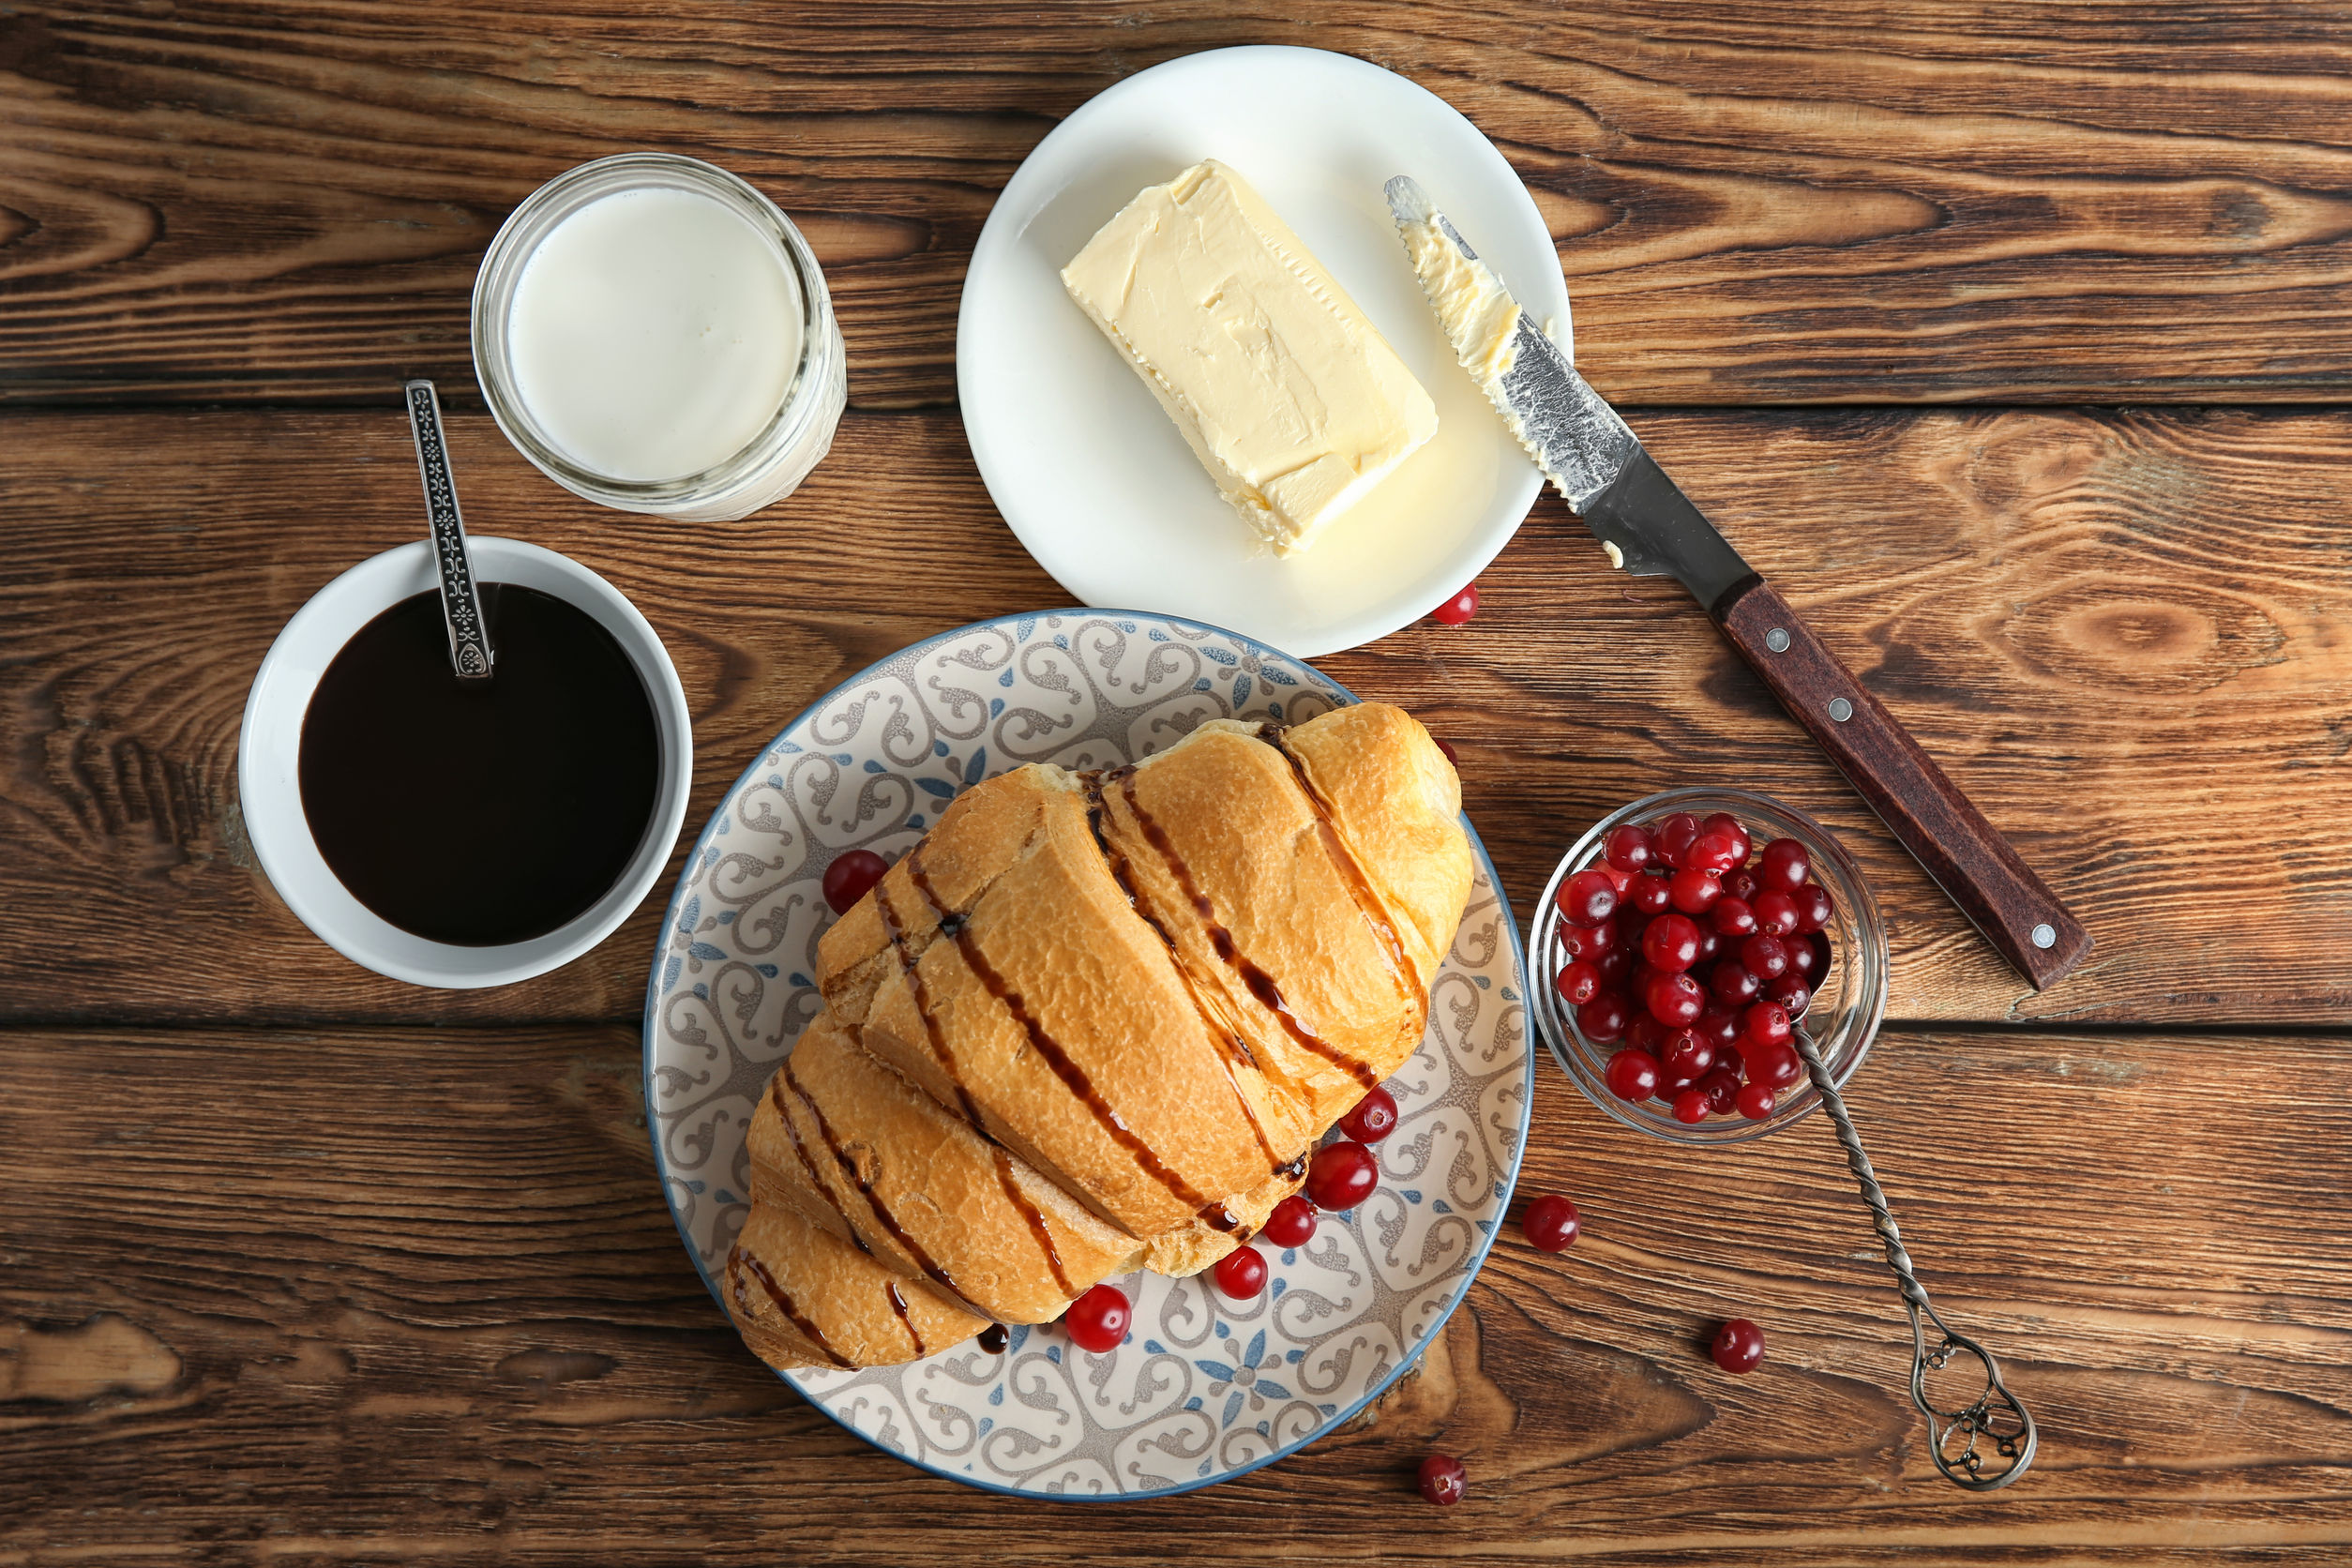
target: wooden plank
387 1294
2128 637
1755 203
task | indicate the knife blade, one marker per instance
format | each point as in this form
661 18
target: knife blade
1650 528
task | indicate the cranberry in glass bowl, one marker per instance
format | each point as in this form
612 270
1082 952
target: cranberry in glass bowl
1843 994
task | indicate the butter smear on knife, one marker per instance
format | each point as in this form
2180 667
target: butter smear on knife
1480 317
1289 396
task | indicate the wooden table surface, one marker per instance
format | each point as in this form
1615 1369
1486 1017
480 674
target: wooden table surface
2012 339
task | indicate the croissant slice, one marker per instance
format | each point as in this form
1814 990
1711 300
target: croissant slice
877 1162
801 1296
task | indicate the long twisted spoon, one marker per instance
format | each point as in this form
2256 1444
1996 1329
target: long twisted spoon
1952 1435
470 651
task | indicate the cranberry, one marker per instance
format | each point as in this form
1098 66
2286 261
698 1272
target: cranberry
1442 1480
1550 1224
1618 880
1588 898
1720 1025
1341 1175
1728 1059
1722 1088
1775 912
1649 894
1785 866
1764 956
1774 1066
1675 1000
1766 1023
1605 1017
1694 892
1098 1319
1729 826
1633 1075
1688 1055
1710 946
1627 847
1242 1272
1589 942
1756 1102
850 877
1453 758
1578 984
1458 609
1740 885
1733 985
1292 1222
1690 1106
1614 965
1813 908
1670 942
1647 1033
1375 1116
1714 852
1792 993
1675 835
1819 943
1739 1345
1803 955
1731 918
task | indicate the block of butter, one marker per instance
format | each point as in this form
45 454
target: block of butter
1290 399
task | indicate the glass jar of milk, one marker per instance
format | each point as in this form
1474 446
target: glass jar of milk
655 335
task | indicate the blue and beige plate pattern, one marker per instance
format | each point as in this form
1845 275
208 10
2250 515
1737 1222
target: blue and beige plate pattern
1205 1387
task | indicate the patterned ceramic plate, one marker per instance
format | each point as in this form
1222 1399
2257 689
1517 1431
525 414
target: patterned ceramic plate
1205 1387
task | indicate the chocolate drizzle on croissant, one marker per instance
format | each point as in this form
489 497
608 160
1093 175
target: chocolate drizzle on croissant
1091 1023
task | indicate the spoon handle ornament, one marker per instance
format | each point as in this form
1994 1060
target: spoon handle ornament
469 651
1996 1418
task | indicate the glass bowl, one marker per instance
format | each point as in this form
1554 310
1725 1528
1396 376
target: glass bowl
1843 1016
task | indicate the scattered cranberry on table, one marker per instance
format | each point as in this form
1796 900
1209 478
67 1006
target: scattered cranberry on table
1451 756
1458 609
850 877
1550 1224
1375 1116
1242 1272
1442 1480
1697 948
1292 1222
1341 1175
1097 1320
1739 1345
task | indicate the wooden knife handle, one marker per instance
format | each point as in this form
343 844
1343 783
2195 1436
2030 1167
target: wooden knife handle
1965 853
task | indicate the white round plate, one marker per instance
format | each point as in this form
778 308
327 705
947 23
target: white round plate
1090 473
1205 1387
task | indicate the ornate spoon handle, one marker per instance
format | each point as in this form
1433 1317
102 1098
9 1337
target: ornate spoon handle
1952 1435
469 651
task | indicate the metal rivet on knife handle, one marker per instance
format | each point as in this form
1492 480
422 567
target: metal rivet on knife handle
1776 639
2045 935
1841 710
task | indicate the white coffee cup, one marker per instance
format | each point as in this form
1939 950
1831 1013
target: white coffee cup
269 757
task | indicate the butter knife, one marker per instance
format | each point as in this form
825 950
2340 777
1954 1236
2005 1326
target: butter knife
1650 528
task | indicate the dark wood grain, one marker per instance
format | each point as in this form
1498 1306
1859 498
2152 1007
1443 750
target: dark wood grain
400 1294
2003 897
2128 637
1766 201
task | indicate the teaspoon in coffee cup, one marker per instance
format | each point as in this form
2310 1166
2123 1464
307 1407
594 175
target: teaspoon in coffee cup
469 651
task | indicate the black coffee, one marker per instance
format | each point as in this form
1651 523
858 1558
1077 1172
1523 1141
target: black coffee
480 812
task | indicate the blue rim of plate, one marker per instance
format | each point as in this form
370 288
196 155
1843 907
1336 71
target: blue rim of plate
1404 1363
